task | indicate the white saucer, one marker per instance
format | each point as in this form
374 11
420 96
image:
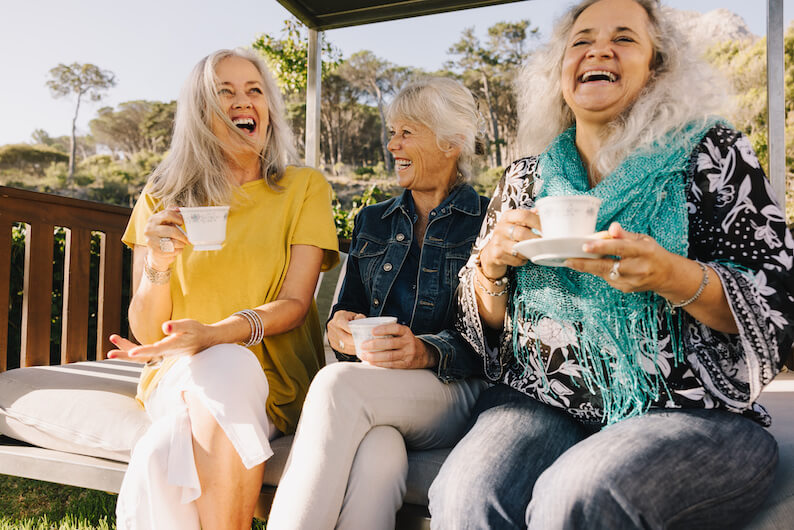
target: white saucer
553 252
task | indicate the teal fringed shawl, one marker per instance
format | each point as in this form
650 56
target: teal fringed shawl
617 332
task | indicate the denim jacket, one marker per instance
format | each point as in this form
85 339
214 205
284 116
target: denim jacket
382 238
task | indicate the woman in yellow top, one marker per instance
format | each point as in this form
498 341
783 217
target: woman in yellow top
215 404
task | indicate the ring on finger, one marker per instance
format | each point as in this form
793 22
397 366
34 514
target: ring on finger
614 272
510 232
514 253
166 245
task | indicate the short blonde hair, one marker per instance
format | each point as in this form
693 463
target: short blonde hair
447 108
682 88
196 170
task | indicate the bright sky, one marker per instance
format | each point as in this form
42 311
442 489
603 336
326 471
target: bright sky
151 45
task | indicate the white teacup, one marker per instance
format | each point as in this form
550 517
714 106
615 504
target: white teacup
568 215
205 226
361 329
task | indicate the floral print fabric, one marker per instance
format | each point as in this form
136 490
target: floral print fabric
736 228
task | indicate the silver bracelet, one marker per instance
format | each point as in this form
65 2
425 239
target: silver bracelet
153 275
257 326
703 283
484 289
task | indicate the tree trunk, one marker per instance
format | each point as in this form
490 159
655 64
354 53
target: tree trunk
73 146
497 159
384 133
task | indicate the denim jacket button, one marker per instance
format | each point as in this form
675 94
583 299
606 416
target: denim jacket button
387 267
376 301
399 237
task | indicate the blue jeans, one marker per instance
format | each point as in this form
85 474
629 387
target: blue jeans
526 464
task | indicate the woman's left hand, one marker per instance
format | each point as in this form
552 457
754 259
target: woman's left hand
398 347
182 337
644 265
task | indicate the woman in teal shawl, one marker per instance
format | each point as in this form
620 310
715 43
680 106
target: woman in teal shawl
625 385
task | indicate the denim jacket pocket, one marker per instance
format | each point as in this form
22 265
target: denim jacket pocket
369 252
456 258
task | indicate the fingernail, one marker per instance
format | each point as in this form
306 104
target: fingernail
168 328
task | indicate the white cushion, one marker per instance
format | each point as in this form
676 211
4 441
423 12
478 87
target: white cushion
86 408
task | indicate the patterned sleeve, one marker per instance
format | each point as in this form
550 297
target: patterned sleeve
737 227
513 191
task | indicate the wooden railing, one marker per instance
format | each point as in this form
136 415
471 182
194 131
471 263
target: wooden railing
42 214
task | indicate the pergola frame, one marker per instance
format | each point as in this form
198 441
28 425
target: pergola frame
397 9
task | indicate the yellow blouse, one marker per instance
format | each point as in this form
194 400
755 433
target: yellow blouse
248 271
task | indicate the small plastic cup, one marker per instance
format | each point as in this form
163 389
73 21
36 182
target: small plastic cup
568 215
205 226
361 329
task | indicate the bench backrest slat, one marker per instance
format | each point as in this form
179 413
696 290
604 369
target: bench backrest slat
5 280
76 269
109 305
37 295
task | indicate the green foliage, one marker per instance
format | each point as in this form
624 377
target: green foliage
364 170
744 63
344 219
287 57
134 126
33 159
486 181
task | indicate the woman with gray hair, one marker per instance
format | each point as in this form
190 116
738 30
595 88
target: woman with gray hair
229 336
626 374
411 388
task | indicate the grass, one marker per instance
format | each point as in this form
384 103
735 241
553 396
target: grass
33 505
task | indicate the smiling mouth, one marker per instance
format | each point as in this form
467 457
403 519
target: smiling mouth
245 124
598 75
402 163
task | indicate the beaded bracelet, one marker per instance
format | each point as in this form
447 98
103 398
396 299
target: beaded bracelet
257 327
492 293
498 281
697 294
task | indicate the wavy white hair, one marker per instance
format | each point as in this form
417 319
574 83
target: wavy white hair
682 88
447 108
196 170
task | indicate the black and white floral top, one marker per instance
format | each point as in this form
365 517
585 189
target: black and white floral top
737 228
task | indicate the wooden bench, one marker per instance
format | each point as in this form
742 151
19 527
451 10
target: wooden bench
78 362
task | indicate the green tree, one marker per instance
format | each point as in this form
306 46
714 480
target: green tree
744 63
80 80
488 70
376 79
287 56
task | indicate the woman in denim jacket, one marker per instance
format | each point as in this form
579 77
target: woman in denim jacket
404 261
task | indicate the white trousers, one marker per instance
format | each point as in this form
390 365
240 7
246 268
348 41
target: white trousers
161 485
348 463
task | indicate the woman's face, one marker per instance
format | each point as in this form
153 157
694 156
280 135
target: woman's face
241 95
420 164
607 60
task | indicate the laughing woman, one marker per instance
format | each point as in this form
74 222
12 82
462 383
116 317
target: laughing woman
411 393
215 404
626 385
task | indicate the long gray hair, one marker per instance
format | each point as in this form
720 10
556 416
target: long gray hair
196 170
682 88
447 108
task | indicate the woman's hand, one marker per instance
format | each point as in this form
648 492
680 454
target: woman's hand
644 265
398 348
182 337
513 226
338 332
161 225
